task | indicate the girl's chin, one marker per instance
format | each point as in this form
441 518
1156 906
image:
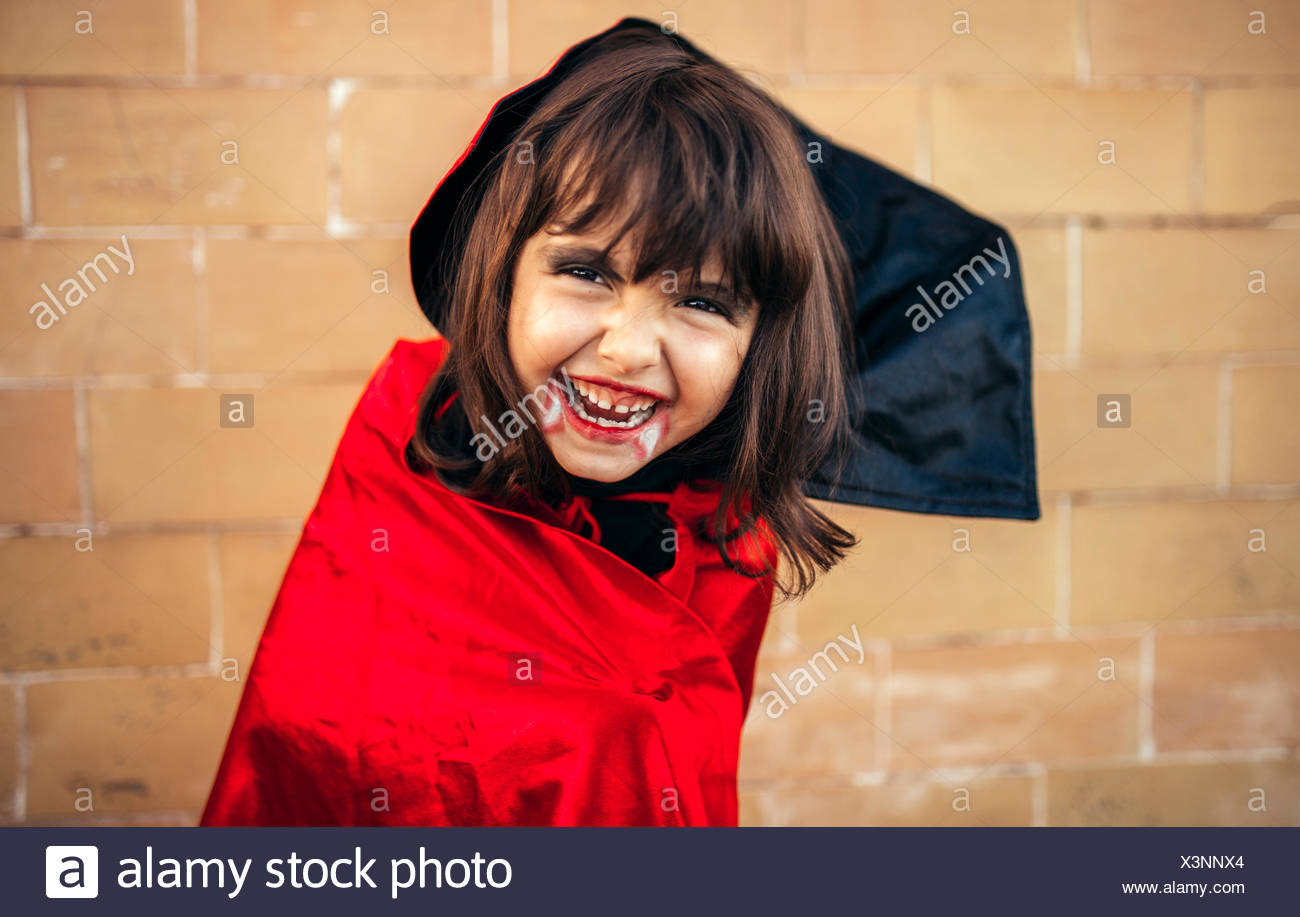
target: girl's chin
581 464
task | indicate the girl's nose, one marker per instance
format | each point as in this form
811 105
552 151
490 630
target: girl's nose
631 338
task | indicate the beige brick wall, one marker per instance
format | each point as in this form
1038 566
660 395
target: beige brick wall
1130 659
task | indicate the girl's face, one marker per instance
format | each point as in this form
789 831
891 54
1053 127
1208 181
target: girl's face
648 365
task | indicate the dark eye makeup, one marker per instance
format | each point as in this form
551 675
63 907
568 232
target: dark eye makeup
588 274
709 305
592 275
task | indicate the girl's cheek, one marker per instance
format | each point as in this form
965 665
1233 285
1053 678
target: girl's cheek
565 324
706 369
539 336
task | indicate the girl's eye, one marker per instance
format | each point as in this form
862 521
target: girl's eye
707 305
582 273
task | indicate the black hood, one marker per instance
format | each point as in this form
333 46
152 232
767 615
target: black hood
941 398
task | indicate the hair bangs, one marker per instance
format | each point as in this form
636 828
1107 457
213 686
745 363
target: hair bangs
691 193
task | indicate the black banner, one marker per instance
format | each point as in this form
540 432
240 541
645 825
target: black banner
657 871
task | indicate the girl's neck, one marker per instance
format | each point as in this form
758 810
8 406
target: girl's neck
661 474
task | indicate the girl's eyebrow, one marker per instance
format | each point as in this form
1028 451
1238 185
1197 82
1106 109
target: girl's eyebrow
721 292
558 254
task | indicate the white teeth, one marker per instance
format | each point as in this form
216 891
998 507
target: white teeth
638 412
635 419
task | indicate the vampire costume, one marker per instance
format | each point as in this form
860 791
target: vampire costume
432 659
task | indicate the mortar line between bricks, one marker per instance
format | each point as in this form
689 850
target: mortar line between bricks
23 132
883 660
1223 443
1063 562
1098 219
500 41
923 161
125 819
1054 362
190 20
452 81
1131 629
1038 803
216 608
1146 691
798 46
1082 46
81 426
181 527
337 93
199 267
957 773
395 230
271 232
23 750
1197 493
107 673
1196 172
1262 754
1073 291
256 81
178 381
954 774
1113 82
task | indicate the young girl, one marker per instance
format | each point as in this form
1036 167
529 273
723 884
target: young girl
537 577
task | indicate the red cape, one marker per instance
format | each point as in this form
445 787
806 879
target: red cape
431 659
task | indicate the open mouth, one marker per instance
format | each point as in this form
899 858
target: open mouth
604 414
607 408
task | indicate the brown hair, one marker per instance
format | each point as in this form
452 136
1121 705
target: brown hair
729 178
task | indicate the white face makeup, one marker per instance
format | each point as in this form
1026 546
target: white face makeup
649 365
